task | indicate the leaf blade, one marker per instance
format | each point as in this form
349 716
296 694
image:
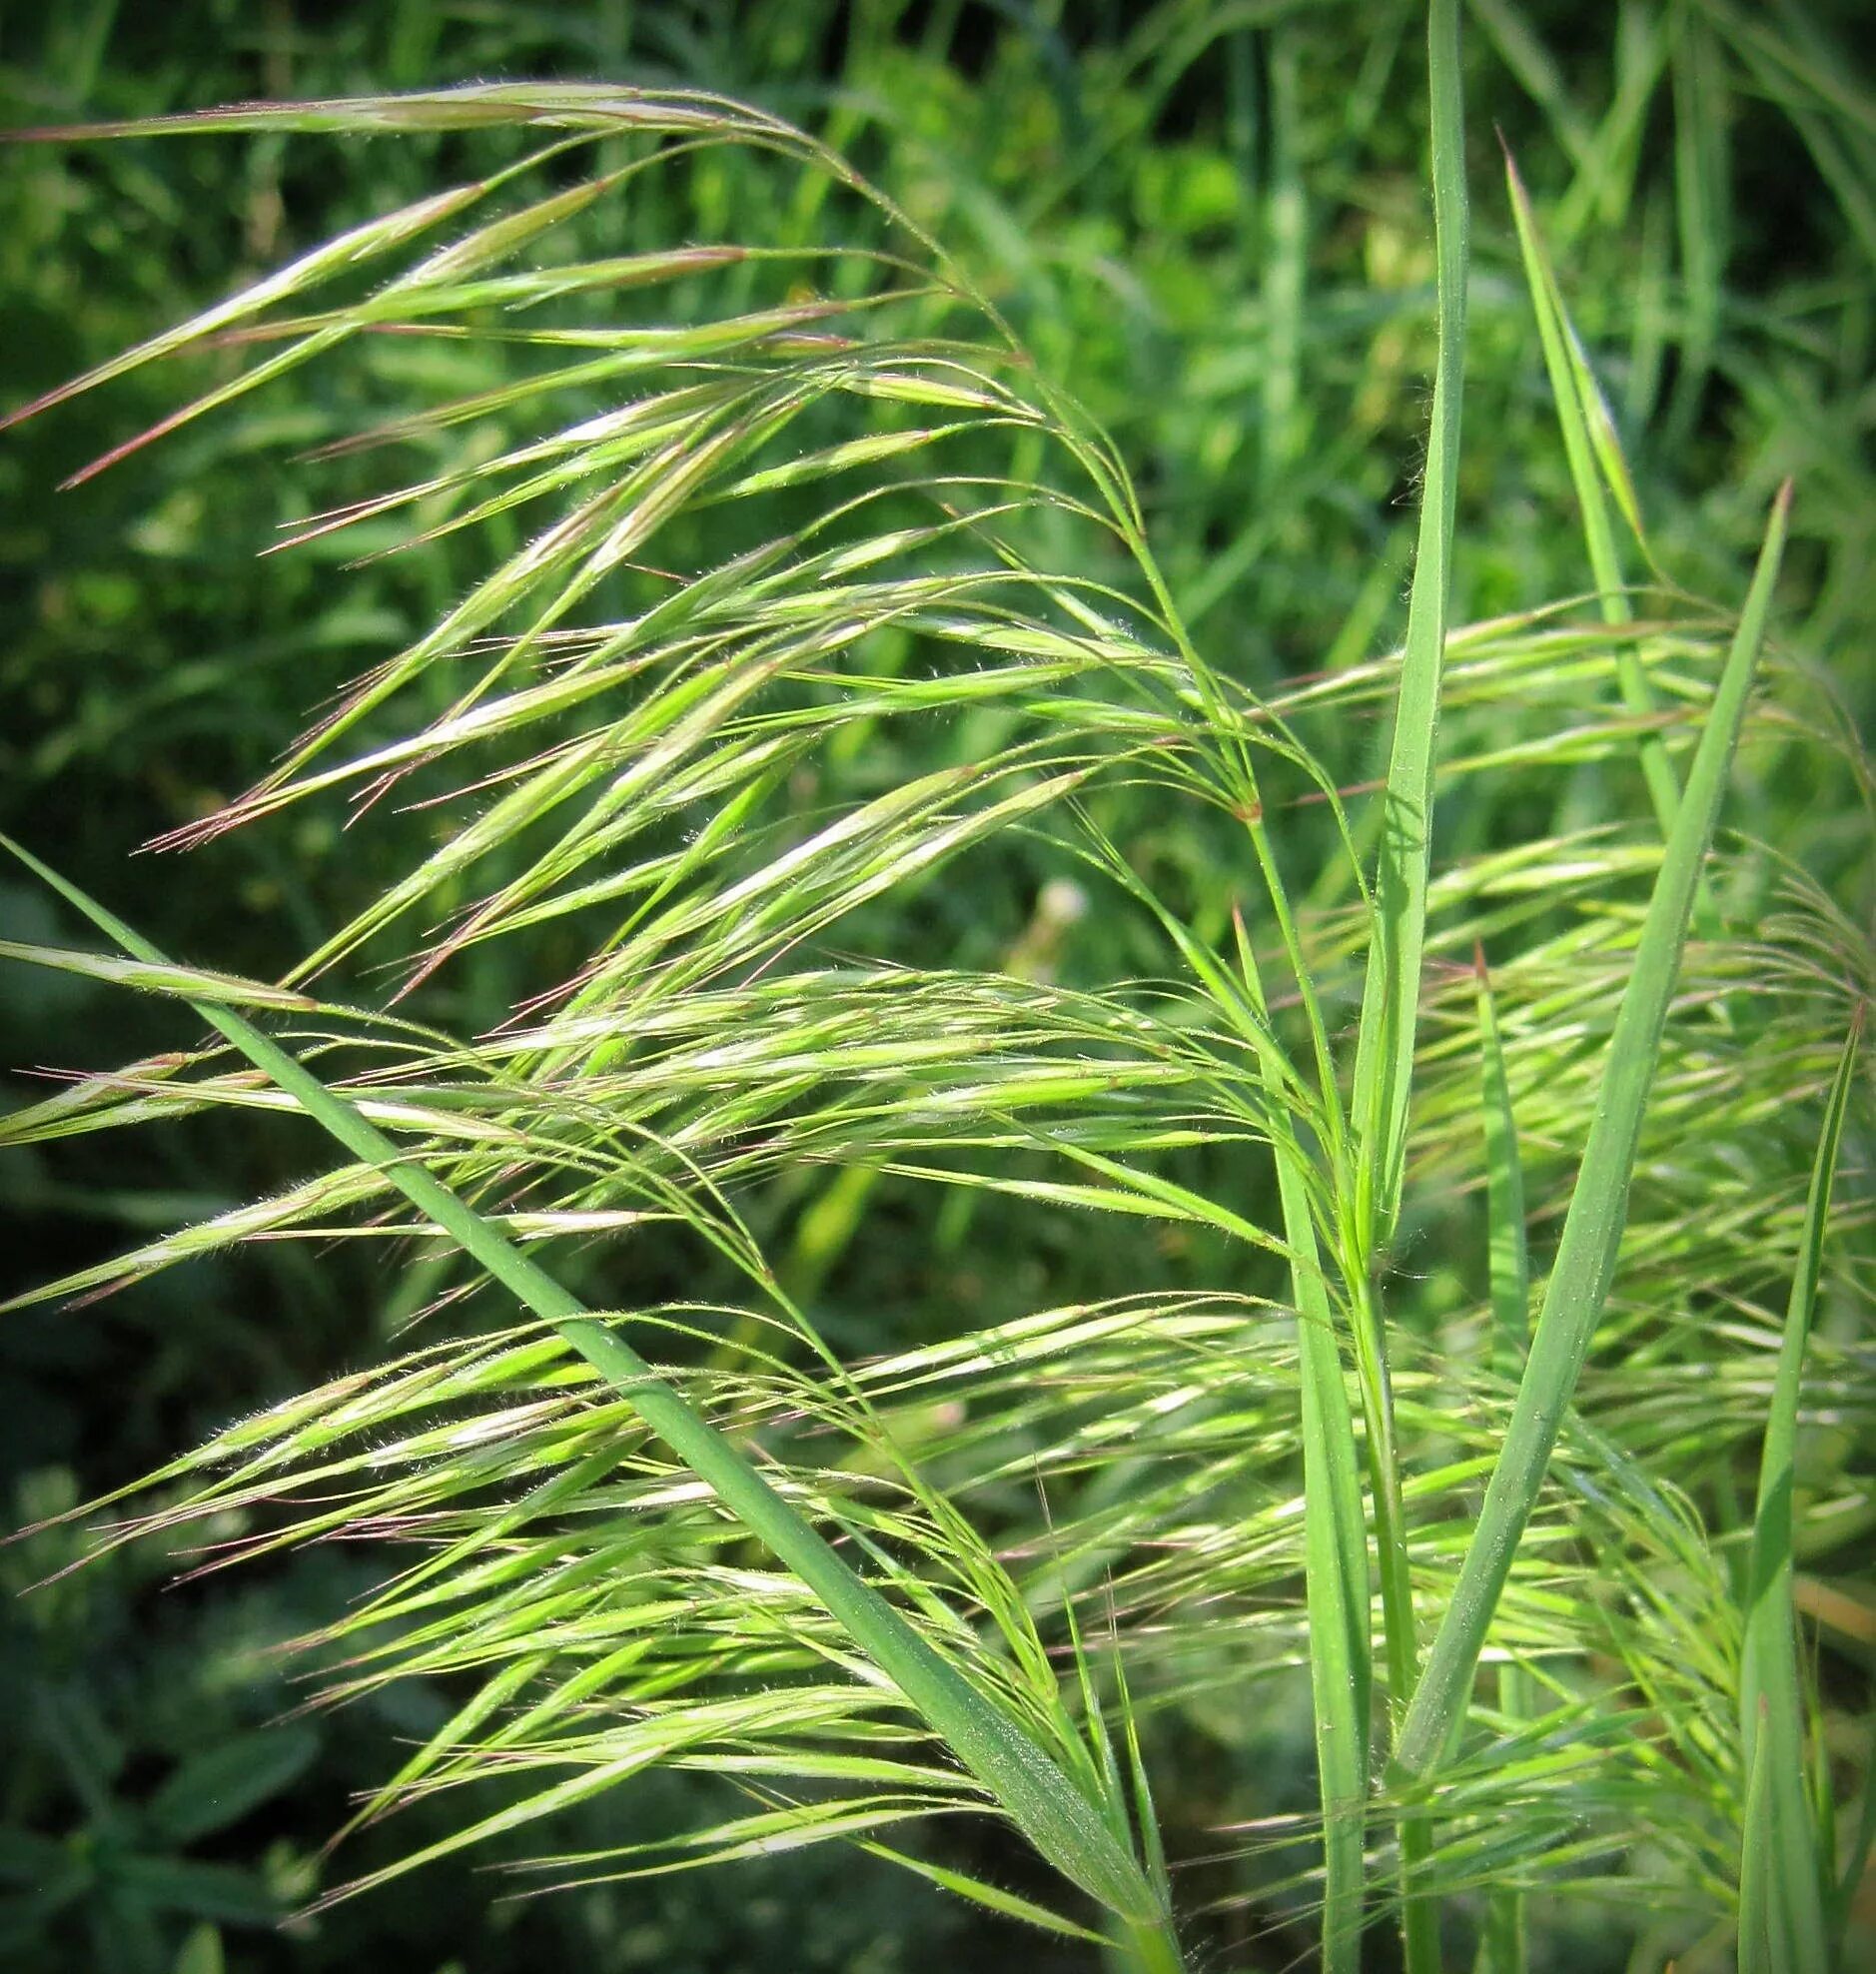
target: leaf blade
1585 1259
1783 1903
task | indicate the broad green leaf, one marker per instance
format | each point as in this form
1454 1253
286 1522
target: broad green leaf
1384 1044
220 1785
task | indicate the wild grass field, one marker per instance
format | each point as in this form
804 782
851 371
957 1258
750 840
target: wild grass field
934 964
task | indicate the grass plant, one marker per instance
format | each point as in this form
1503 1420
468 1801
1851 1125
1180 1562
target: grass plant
805 603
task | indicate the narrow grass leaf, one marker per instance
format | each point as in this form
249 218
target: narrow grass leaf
1390 994
1593 1229
1383 1059
1781 1908
1504 1946
192 983
1335 1539
1508 1251
1578 398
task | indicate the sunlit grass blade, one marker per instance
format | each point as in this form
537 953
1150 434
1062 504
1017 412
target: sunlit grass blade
741 684
1507 1250
1046 1803
1579 411
348 250
1593 1230
192 983
1504 1945
1781 1906
1336 1584
1335 1539
994 1898
1764 1947
1391 993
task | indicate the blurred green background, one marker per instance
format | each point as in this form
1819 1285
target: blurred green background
1209 223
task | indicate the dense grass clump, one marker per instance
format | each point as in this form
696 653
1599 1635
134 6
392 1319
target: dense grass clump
1050 1064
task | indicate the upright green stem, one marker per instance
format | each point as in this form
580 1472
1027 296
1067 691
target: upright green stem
1268 870
1147 1950
1384 1046
1418 1918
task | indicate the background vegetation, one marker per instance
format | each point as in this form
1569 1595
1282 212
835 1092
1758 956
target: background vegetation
1208 224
